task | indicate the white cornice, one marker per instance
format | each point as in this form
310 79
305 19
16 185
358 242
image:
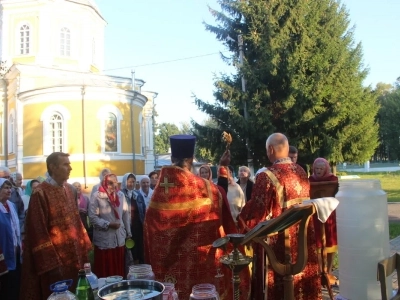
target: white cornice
74 93
91 157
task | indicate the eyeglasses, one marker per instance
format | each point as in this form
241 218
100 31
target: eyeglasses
6 188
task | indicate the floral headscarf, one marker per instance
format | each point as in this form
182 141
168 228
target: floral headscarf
113 197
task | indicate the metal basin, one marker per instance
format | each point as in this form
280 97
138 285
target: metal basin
151 289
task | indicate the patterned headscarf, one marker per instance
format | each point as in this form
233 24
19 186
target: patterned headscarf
327 172
209 171
113 197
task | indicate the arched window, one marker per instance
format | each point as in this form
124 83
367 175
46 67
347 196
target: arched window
24 34
65 42
11 134
55 134
110 133
110 118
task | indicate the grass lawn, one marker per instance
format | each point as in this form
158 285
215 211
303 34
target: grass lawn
390 182
394 230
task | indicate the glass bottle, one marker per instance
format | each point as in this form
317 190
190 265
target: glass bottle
83 289
204 291
169 292
140 271
93 280
60 291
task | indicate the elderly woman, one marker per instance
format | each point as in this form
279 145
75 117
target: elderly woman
83 206
322 172
137 209
10 243
109 215
245 182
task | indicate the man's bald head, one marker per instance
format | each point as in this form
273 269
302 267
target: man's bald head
277 146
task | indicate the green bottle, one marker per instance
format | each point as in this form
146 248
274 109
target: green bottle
83 289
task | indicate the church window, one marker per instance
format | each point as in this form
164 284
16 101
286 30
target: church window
110 118
55 124
24 34
56 128
65 42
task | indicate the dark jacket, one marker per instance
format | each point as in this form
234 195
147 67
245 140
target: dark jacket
249 188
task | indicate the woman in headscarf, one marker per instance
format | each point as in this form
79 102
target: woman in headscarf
29 189
322 172
245 182
17 181
83 206
10 243
137 209
109 215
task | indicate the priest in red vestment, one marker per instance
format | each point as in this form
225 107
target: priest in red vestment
277 188
56 243
185 216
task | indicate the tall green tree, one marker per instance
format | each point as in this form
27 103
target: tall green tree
164 131
389 127
304 78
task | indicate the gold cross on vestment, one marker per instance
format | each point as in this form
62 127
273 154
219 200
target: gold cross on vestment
167 185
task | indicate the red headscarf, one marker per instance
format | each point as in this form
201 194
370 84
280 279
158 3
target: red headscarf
327 176
113 197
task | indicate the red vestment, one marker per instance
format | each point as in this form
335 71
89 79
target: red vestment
275 190
186 215
54 238
330 224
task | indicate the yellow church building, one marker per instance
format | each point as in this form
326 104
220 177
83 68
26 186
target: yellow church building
56 98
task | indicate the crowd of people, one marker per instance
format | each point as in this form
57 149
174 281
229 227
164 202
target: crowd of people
48 227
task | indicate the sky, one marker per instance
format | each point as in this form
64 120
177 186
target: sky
165 43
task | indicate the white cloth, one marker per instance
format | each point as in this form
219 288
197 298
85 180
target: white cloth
236 199
146 198
324 206
14 222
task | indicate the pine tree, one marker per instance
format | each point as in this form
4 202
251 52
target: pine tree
304 78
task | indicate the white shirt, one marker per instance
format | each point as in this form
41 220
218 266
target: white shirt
146 198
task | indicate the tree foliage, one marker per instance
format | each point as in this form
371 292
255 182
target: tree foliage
164 131
303 76
389 126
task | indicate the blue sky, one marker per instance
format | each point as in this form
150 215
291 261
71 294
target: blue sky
145 32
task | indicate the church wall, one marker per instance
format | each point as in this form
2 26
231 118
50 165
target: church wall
33 170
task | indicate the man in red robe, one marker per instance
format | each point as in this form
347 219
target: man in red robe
56 243
185 216
279 187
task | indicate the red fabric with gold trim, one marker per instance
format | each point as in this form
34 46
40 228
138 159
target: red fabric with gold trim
54 238
184 218
265 201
